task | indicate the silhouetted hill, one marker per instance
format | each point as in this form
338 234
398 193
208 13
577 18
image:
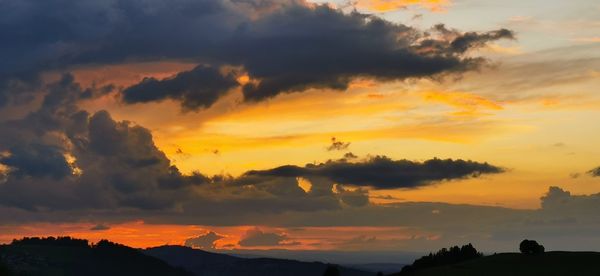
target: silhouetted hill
66 256
445 256
204 263
516 264
378 267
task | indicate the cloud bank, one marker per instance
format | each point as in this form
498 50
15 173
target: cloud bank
284 46
206 241
64 164
384 173
256 237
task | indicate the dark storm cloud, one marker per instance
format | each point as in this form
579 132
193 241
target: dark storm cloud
286 46
40 36
198 88
60 157
67 164
36 160
301 48
382 172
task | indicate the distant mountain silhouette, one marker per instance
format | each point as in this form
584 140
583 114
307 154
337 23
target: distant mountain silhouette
66 256
203 263
385 268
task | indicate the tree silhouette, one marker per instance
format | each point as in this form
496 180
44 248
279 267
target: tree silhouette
444 257
531 247
52 241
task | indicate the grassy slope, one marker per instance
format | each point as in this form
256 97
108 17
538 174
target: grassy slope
550 263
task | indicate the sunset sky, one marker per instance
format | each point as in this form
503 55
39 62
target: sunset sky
369 125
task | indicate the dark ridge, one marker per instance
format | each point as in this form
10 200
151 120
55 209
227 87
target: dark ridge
67 256
206 263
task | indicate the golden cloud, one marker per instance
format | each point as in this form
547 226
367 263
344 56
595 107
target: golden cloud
392 5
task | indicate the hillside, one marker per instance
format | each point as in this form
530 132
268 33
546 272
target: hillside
549 263
205 263
67 257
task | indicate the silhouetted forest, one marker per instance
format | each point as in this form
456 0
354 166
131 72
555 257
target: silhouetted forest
52 241
69 256
444 257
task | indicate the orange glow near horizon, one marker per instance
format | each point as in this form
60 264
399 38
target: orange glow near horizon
138 234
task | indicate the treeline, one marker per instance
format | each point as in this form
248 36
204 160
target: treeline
443 257
52 241
74 257
66 241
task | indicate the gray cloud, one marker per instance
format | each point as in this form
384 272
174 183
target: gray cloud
280 51
461 42
556 68
355 198
111 171
116 173
560 201
337 145
274 41
36 160
60 157
256 237
383 172
350 155
206 241
100 227
198 88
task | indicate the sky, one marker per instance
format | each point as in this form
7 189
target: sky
364 126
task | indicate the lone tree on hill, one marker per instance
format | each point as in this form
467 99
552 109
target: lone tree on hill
531 247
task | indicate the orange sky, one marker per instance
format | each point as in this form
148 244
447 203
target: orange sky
531 110
414 120
141 235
